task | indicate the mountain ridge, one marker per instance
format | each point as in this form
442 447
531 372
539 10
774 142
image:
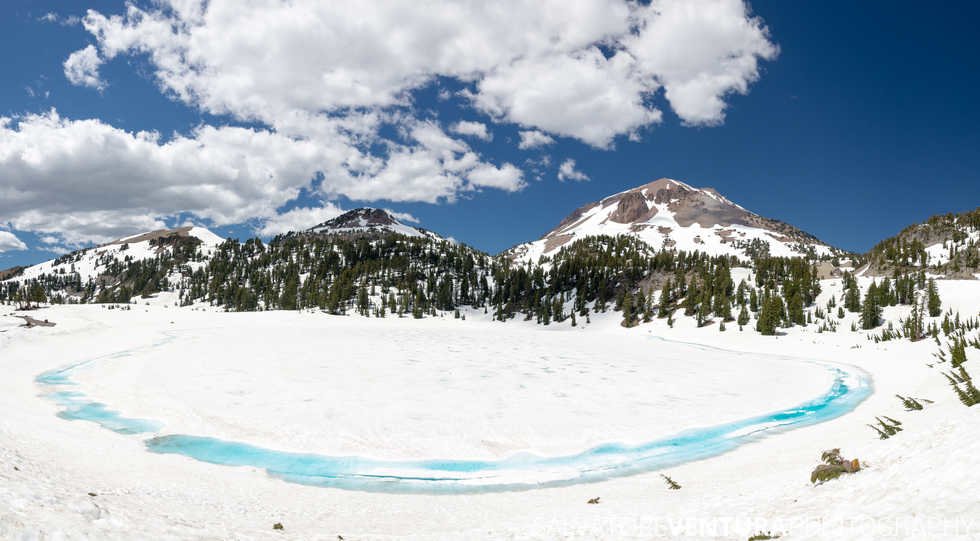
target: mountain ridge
90 263
664 214
671 214
366 261
946 244
369 221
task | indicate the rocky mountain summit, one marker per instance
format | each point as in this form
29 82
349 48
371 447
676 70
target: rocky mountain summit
669 214
369 221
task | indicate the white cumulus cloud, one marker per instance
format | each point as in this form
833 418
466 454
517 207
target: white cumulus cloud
584 95
592 70
533 139
82 68
473 129
9 241
253 59
506 177
567 171
90 181
298 219
527 59
700 50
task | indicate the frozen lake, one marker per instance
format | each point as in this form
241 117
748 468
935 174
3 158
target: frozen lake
426 411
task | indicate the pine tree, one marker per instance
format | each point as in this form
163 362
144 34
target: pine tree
871 311
288 299
740 296
852 298
795 306
957 353
37 295
363 301
704 308
629 318
665 300
722 306
691 299
934 303
770 315
914 327
648 309
886 296
743 318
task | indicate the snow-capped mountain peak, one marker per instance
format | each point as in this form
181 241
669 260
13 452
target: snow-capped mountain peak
671 214
206 236
90 263
367 220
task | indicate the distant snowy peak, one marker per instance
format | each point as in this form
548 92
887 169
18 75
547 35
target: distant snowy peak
92 262
202 234
368 220
670 214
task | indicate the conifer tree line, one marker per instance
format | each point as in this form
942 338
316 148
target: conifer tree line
903 289
390 274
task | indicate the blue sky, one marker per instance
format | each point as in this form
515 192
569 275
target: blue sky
865 121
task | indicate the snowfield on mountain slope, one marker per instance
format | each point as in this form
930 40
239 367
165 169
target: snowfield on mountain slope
920 484
91 263
370 220
939 252
669 214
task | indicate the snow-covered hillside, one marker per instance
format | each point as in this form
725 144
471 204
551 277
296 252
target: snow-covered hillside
670 214
195 265
946 244
368 220
91 263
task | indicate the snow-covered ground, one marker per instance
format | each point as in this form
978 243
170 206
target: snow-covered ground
442 388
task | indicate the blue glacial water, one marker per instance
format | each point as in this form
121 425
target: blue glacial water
518 472
76 406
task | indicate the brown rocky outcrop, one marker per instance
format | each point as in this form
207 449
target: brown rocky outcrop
689 206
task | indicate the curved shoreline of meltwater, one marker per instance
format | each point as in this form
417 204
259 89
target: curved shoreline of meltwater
518 472
76 406
523 471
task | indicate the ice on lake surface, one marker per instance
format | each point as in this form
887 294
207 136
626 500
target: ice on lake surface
517 472
524 471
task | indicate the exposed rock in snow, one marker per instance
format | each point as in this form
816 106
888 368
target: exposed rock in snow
368 220
90 263
670 214
945 244
204 235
